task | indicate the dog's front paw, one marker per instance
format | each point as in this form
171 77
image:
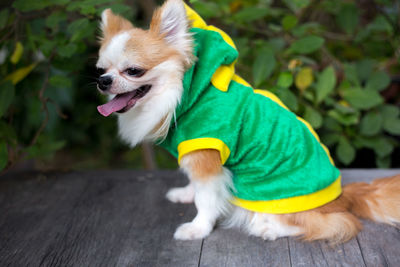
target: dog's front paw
181 194
190 231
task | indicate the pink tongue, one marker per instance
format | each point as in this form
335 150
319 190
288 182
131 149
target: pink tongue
115 104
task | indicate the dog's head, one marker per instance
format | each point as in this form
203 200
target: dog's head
142 70
133 62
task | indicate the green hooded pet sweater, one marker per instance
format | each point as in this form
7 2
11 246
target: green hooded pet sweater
276 159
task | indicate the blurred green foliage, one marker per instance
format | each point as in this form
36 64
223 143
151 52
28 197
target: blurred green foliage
329 61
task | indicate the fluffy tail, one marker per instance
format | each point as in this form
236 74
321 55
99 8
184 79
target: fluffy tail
337 221
378 201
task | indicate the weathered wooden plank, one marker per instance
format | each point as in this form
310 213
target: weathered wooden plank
322 254
94 219
380 244
233 248
120 218
366 175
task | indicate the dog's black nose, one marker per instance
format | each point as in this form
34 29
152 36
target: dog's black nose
104 82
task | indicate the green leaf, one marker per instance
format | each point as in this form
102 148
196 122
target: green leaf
307 28
263 65
285 79
3 155
345 151
383 147
207 9
307 44
364 68
79 29
362 99
348 17
251 13
392 125
296 5
313 117
371 123
326 83
344 119
54 19
6 96
67 50
330 139
60 81
380 24
344 107
288 22
351 74
378 81
288 98
390 111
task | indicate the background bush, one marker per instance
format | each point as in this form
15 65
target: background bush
336 63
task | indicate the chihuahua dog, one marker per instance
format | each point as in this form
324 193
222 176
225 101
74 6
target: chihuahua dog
249 160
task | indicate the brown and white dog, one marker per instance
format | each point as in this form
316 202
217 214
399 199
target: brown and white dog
143 71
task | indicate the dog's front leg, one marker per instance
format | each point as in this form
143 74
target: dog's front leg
211 184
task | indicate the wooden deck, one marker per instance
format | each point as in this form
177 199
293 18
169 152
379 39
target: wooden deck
121 218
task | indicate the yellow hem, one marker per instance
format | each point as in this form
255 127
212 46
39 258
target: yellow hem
203 143
271 96
240 80
293 204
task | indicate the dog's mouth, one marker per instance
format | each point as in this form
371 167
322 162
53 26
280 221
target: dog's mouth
123 102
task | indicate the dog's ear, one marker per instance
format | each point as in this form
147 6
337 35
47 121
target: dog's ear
171 23
111 24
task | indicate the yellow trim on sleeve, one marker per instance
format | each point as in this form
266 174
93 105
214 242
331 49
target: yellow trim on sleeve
204 143
240 80
270 96
293 204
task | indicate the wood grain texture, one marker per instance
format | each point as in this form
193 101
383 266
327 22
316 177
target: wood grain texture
121 218
233 248
93 219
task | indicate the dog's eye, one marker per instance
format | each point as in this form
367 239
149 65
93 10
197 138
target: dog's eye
135 72
101 71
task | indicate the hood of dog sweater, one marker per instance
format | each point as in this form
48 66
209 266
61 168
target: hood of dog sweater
214 63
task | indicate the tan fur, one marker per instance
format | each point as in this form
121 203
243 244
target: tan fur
155 23
113 25
155 29
147 47
337 221
378 201
204 163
